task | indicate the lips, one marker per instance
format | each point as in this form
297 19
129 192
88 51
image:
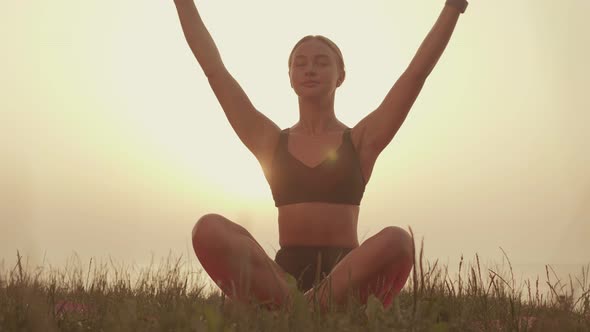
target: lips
310 83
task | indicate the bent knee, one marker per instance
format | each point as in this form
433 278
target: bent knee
209 230
399 242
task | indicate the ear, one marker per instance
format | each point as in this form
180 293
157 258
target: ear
341 78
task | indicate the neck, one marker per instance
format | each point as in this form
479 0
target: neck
316 116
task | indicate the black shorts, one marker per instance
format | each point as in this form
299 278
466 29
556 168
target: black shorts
302 263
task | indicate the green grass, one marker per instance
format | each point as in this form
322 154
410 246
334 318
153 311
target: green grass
173 297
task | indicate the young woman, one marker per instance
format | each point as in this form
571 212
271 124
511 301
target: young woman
317 171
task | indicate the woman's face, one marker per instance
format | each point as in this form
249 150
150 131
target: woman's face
314 69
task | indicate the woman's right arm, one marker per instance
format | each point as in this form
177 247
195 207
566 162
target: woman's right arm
254 129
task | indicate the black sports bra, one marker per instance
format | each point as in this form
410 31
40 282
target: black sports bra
337 179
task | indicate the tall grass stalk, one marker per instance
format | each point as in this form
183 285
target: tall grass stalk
111 296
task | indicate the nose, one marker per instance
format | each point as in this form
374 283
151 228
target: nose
310 70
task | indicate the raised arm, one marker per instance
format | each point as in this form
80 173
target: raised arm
379 127
254 129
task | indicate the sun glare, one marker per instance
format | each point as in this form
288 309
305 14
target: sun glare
243 182
209 159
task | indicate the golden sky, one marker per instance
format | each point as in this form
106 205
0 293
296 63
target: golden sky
113 143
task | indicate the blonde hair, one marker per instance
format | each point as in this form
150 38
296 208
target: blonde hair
326 41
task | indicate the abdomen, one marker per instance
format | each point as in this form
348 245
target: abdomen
318 224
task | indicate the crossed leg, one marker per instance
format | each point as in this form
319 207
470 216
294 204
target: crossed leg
243 271
237 263
379 266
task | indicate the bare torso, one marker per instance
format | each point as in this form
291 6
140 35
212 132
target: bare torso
316 223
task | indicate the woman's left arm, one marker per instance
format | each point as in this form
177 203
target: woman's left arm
435 43
378 128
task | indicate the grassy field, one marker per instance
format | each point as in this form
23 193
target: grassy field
172 297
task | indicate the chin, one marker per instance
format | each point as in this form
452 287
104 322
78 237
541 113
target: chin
309 93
